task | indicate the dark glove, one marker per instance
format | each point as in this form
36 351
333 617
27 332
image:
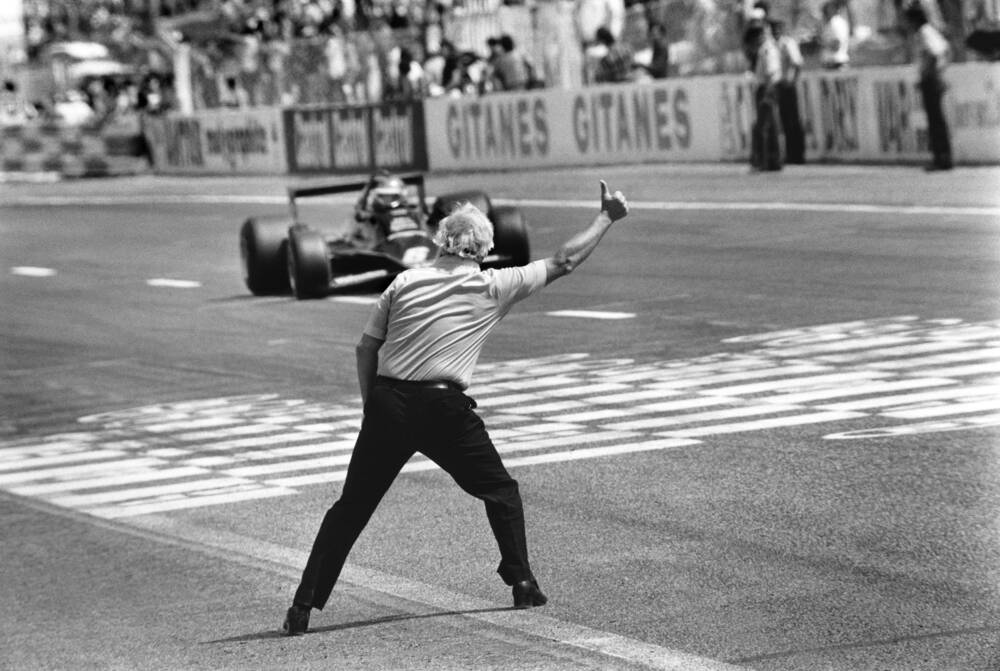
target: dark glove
613 205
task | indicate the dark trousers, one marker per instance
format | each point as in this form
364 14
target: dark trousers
791 123
401 419
766 152
932 91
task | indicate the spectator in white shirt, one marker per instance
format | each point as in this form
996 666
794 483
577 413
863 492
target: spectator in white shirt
835 38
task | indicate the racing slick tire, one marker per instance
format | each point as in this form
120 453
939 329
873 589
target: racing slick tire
263 245
510 236
309 271
444 205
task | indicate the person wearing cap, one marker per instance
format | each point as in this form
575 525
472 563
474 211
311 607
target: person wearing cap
415 360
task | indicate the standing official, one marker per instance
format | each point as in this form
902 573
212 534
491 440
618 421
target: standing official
788 95
415 359
934 54
766 142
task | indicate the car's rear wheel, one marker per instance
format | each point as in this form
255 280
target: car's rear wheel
444 205
308 263
263 245
510 236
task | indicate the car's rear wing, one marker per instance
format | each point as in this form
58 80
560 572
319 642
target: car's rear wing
306 191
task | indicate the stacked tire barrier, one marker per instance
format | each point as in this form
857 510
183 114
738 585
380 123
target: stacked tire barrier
45 147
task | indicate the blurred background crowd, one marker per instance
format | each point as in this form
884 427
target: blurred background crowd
87 61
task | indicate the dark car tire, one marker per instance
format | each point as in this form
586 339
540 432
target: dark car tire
308 264
510 236
263 245
444 205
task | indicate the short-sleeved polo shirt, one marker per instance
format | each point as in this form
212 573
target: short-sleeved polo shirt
435 320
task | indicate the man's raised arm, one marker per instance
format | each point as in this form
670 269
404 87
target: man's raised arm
575 250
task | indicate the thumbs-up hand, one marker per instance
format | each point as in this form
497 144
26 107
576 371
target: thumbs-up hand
614 205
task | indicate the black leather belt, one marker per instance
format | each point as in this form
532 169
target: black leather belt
417 384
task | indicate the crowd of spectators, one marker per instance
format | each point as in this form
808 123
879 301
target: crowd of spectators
258 52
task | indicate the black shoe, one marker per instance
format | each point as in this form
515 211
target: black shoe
296 621
938 167
527 594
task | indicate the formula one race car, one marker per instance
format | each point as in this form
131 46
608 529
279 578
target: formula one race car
392 230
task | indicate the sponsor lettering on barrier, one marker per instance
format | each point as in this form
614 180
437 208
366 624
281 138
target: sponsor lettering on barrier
902 126
736 115
234 144
979 113
395 138
309 134
829 108
351 139
500 128
631 120
182 139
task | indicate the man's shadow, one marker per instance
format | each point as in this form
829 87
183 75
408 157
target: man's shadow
264 635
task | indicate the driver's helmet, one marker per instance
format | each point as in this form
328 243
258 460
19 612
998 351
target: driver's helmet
388 193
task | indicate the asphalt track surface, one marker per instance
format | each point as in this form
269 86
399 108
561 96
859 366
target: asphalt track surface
757 429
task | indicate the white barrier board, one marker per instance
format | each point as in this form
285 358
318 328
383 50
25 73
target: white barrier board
218 141
862 115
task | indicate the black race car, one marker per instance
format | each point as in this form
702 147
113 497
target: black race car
392 230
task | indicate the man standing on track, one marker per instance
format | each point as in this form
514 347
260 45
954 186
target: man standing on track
415 359
934 54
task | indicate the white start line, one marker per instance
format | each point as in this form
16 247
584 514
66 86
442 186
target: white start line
875 379
32 271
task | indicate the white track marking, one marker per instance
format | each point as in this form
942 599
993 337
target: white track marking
725 378
592 314
797 383
900 351
945 410
197 200
695 417
117 511
757 425
909 399
70 471
32 271
713 206
63 459
168 283
928 361
86 500
541 410
860 390
963 371
120 478
845 345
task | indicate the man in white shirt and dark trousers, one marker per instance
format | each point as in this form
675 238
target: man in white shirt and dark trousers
415 359
788 95
933 53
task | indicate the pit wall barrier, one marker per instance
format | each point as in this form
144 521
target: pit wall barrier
326 139
852 116
117 148
865 115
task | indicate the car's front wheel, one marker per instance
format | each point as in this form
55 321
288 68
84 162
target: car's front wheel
510 236
308 263
263 253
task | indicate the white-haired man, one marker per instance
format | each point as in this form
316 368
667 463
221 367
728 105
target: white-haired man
415 359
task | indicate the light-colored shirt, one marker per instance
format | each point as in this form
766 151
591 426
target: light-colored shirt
435 320
835 40
791 58
768 70
934 51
